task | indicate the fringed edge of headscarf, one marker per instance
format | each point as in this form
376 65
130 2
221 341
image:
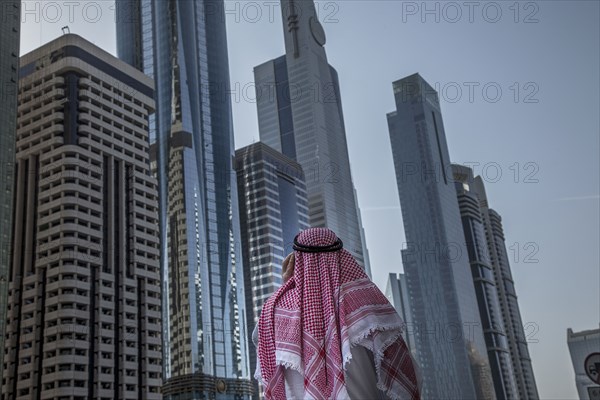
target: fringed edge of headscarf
395 392
378 357
293 361
284 359
289 360
359 338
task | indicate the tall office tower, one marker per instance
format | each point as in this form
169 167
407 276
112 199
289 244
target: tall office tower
584 347
486 282
182 45
449 339
505 285
300 115
363 239
397 293
84 318
273 210
10 29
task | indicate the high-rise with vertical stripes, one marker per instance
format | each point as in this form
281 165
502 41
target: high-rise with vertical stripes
486 282
182 45
84 317
503 328
9 77
273 210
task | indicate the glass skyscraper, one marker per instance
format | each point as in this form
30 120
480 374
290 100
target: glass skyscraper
300 115
182 45
397 293
448 333
273 210
486 282
10 29
514 330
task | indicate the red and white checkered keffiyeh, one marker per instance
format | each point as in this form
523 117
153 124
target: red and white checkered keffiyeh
311 322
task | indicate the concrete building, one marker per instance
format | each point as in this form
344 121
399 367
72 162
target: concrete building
273 210
449 339
10 30
585 346
183 46
84 317
300 115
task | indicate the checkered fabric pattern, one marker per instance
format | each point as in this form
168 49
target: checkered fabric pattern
311 322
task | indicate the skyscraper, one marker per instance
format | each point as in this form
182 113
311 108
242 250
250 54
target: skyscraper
505 285
300 115
273 209
10 29
397 293
182 45
84 318
582 346
363 239
449 340
486 282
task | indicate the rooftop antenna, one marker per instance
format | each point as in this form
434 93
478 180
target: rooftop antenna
66 30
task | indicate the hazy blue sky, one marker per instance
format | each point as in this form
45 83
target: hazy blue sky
548 130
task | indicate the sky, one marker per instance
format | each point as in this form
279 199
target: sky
519 87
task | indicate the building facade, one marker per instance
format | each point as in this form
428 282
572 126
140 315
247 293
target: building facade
183 46
10 30
363 239
505 286
396 292
300 115
84 317
273 210
449 339
581 346
485 281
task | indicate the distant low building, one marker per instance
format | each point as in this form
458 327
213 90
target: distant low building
581 346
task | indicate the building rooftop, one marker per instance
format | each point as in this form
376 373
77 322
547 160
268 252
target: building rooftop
587 334
47 50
